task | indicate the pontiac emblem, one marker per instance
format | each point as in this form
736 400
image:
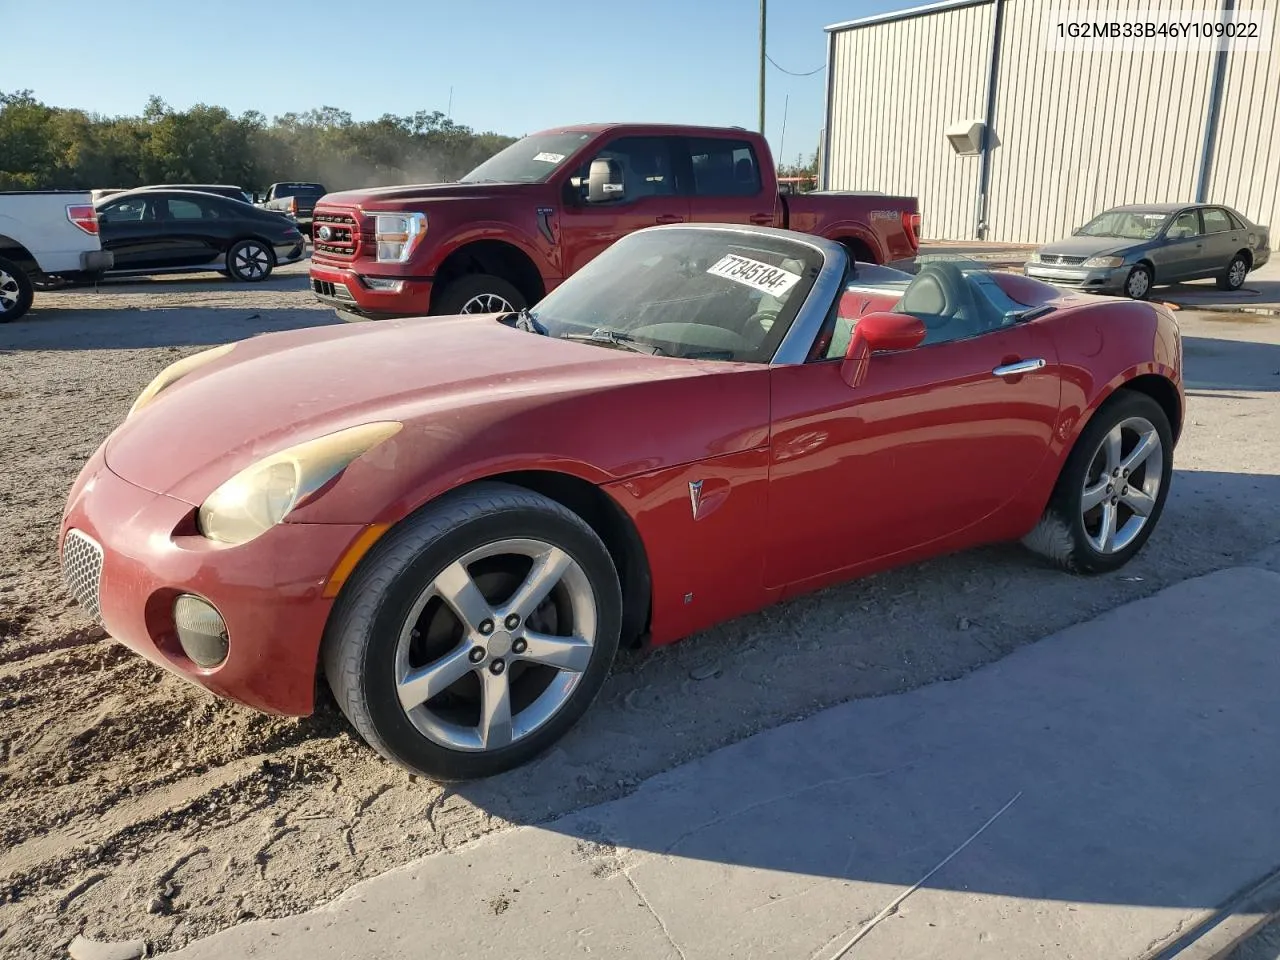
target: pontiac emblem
325 233
695 496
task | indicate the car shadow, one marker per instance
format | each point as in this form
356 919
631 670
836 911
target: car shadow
904 768
1213 364
125 329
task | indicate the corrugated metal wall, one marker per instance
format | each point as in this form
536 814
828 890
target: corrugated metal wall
1246 165
1075 132
1079 132
896 87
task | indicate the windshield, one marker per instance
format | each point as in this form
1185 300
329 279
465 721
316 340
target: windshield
1125 224
313 190
704 294
530 160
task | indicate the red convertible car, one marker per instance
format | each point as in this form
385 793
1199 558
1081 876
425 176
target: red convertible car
458 520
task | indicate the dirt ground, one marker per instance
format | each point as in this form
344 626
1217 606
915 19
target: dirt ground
133 805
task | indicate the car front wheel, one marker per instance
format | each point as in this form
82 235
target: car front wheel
476 633
1138 284
1112 488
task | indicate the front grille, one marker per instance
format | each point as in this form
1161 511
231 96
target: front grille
82 570
344 233
1062 259
334 291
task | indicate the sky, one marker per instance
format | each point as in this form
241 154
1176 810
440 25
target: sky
513 66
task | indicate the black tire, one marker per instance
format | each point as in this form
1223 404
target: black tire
361 639
1061 536
469 293
1234 276
250 261
1137 285
16 291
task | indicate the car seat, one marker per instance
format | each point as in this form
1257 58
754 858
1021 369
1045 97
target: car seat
943 300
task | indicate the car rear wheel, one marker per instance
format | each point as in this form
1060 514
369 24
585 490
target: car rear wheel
1138 284
478 293
476 633
1233 277
16 291
250 261
1112 488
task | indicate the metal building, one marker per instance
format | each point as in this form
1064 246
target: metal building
1067 133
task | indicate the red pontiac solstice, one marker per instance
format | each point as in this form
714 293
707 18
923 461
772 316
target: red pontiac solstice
459 519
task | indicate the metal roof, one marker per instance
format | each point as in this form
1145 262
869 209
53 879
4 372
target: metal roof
939 7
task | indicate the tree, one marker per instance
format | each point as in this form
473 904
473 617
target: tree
43 147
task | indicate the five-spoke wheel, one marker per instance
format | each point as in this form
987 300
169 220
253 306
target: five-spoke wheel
476 633
1112 488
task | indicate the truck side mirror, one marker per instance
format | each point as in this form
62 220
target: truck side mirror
604 182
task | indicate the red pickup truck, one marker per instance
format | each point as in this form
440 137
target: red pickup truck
512 229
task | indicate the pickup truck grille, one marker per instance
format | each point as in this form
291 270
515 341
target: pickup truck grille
1061 259
337 234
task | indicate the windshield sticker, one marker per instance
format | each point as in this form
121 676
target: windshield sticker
754 274
549 157
1153 216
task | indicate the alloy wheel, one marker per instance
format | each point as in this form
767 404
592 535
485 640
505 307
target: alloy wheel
1122 485
487 303
495 645
251 261
9 291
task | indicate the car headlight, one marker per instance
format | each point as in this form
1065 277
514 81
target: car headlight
261 495
397 234
1104 261
175 372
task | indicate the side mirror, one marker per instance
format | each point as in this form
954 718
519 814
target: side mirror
878 331
604 182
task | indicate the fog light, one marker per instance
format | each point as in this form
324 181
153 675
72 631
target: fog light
383 283
201 630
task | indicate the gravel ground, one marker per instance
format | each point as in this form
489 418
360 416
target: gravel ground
133 805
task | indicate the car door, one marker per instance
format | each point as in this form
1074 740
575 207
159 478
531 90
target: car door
650 196
194 228
726 183
1222 240
1181 254
935 440
132 229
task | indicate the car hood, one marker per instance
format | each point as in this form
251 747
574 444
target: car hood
393 198
450 380
1089 246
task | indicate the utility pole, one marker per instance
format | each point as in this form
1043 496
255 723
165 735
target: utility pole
763 6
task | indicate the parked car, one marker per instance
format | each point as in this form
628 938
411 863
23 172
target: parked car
537 212
46 237
298 200
219 189
1132 248
461 519
156 231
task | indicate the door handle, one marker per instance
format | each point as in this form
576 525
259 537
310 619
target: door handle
1019 368
669 218
761 219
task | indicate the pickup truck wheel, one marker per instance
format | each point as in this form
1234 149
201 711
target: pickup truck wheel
16 291
249 261
476 633
478 293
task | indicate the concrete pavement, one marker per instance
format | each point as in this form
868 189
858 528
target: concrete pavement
1099 793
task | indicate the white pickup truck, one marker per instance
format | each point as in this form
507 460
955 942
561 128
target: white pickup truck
45 237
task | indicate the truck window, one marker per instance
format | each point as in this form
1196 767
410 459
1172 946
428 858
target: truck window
724 168
646 166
